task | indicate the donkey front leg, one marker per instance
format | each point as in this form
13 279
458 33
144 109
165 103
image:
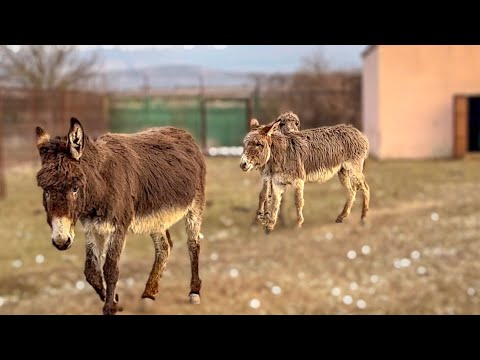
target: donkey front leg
163 246
263 200
193 222
111 272
299 202
277 191
93 266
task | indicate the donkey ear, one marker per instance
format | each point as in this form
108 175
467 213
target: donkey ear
254 124
76 139
270 128
42 136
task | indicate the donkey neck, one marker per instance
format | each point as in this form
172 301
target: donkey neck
286 153
97 184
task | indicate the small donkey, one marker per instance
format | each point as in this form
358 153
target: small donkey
288 122
143 183
313 155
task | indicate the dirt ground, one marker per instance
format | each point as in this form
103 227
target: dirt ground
418 254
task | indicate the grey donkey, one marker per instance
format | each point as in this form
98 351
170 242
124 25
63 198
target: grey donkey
313 155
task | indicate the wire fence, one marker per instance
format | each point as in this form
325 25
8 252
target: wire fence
217 117
22 110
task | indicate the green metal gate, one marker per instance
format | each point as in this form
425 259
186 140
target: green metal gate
226 122
212 122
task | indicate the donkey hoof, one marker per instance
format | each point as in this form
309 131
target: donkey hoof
258 221
339 220
194 299
269 228
147 295
102 294
363 221
111 310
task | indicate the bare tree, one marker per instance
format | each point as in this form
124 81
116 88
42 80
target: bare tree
46 66
319 95
315 63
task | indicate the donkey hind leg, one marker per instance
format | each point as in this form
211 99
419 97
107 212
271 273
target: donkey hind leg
93 262
193 222
361 184
346 181
366 198
163 246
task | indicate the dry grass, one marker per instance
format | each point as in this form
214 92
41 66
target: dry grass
290 271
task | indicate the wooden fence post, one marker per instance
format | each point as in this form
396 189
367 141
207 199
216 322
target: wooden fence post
249 112
203 123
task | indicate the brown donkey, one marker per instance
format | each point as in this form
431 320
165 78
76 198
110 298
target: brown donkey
313 155
143 183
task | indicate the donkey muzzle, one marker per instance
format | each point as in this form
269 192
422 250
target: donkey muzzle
62 233
245 165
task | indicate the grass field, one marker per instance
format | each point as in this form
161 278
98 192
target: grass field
418 254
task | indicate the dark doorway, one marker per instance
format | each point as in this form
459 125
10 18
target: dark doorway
474 124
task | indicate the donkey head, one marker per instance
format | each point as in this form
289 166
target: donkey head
289 122
62 180
256 145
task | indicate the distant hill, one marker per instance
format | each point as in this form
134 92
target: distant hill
245 58
233 66
175 76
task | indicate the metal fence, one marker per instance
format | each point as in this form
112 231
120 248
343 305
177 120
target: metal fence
216 118
220 119
213 121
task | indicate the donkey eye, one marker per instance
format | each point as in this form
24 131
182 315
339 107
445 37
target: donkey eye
44 150
75 189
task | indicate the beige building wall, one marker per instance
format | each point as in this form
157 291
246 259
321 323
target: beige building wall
412 93
370 103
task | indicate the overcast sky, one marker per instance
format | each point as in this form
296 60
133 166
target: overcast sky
263 58
269 58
